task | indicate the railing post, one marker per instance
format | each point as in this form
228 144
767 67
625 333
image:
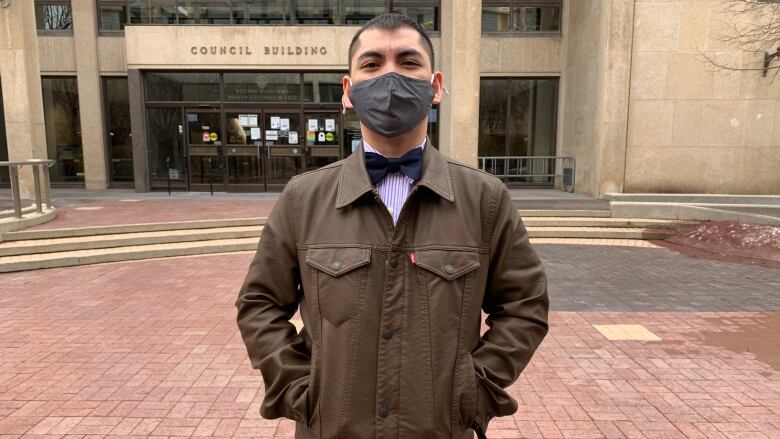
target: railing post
15 197
36 177
47 185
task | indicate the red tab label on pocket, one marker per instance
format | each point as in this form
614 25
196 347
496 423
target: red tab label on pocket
413 258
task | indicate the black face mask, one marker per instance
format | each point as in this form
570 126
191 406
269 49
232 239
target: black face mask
392 104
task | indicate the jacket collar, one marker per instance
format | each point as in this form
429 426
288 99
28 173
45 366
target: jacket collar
354 180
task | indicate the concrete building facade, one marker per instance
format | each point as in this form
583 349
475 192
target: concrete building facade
229 95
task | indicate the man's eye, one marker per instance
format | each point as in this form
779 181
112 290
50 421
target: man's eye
370 65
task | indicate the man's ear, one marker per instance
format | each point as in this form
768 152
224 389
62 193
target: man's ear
438 86
345 102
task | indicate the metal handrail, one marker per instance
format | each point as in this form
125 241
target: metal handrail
37 165
527 166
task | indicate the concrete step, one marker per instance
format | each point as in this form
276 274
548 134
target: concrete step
184 243
11 213
62 240
584 203
600 232
73 243
603 222
33 249
758 214
565 213
129 228
129 253
696 198
202 224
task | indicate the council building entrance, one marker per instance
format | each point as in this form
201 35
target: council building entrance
243 131
256 149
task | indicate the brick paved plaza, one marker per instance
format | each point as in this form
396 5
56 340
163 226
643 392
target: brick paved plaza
151 348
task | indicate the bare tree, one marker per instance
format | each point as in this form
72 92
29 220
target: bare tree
57 17
753 26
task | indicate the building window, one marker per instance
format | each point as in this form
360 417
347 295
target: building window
425 12
517 118
182 86
316 12
267 12
115 14
120 145
205 12
322 87
262 87
53 15
167 156
521 16
63 128
360 12
112 15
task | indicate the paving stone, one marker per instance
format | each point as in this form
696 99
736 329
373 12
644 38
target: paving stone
150 348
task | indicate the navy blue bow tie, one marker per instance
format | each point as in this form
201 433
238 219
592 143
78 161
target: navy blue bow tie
410 164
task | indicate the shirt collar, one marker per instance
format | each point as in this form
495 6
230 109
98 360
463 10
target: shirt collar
354 180
369 148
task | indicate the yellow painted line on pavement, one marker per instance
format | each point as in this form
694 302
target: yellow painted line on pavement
626 332
88 208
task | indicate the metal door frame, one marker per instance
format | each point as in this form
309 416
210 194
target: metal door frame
338 116
261 186
283 108
203 187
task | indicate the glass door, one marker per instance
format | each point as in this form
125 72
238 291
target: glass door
323 138
167 154
244 150
206 150
284 147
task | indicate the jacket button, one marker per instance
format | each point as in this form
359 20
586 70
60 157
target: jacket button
449 268
394 263
387 334
336 265
384 411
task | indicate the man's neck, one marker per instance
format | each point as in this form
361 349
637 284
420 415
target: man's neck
397 146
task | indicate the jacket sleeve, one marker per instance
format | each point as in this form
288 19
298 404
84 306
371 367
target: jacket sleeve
517 304
266 302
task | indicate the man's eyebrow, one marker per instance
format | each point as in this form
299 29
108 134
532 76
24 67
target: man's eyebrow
371 54
409 52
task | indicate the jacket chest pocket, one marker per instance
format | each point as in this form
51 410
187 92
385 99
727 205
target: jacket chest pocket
447 278
340 277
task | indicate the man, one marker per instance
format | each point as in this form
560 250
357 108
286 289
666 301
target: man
390 254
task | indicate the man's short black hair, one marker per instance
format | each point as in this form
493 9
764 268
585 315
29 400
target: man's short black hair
389 22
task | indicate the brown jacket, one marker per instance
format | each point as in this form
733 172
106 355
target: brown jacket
390 345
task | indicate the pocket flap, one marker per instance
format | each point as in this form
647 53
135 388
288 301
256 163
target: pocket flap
337 260
449 264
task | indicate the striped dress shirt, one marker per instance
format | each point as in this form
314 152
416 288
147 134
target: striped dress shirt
394 187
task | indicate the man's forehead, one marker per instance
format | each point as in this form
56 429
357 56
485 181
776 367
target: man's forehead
383 41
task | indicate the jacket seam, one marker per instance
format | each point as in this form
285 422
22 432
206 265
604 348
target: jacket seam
492 216
295 210
388 247
455 405
354 330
